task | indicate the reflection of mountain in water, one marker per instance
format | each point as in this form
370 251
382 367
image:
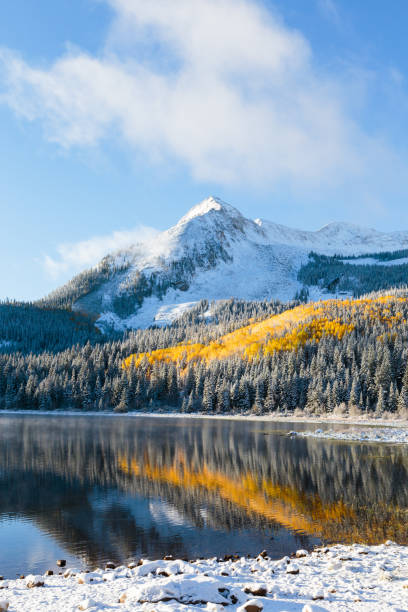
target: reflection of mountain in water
114 487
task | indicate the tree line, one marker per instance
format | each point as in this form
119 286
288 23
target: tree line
364 370
335 275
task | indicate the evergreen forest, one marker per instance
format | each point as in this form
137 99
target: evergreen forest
232 356
356 275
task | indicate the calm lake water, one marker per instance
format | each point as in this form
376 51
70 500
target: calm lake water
95 488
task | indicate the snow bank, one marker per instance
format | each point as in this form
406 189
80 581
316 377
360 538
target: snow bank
357 434
371 261
370 578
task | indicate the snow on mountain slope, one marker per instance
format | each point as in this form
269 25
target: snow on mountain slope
215 253
337 238
372 261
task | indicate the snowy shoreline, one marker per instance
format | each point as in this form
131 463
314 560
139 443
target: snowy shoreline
369 429
357 577
390 435
278 418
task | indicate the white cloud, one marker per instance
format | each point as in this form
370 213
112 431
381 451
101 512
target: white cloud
221 85
75 256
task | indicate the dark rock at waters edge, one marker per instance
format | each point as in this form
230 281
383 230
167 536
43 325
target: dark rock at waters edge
135 563
110 565
61 562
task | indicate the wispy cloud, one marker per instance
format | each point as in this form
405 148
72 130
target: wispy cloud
330 10
76 256
221 85
396 75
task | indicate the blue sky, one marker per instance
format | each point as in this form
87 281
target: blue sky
116 116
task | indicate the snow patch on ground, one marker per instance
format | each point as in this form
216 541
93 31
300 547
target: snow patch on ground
339 578
371 261
393 434
152 312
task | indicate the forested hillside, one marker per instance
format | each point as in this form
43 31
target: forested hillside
29 328
232 356
356 275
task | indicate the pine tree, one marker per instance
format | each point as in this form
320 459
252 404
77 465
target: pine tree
269 404
403 400
243 395
172 388
190 403
381 402
383 373
355 392
223 399
392 398
208 395
123 405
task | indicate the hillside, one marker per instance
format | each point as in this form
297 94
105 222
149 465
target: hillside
26 328
286 331
249 356
215 253
320 357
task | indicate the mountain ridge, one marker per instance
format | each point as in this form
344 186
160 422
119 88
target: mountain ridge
213 252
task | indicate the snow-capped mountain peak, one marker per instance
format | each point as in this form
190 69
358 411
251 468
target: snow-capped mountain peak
211 203
213 253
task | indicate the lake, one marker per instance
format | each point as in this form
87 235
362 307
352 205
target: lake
91 489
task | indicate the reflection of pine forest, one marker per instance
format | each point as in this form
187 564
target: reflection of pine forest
55 470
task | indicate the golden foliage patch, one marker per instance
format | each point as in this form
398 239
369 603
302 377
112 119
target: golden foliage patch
284 332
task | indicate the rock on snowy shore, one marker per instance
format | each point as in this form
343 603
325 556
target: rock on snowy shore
370 578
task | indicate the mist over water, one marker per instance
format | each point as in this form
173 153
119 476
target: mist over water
96 488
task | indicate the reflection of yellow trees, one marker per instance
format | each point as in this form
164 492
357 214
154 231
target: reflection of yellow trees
374 525
284 332
284 505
